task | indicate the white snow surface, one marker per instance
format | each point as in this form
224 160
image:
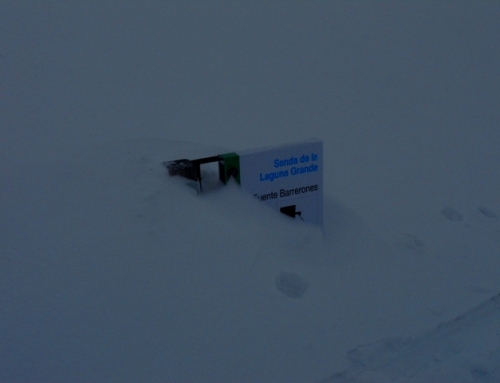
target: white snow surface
112 271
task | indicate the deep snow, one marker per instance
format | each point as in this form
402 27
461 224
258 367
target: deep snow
114 271
110 270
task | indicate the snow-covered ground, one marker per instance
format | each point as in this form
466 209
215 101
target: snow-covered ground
112 271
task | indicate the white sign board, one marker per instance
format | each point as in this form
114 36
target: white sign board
287 177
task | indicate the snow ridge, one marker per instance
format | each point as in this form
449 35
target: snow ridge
434 355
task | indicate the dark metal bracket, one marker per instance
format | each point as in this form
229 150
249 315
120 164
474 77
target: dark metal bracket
191 168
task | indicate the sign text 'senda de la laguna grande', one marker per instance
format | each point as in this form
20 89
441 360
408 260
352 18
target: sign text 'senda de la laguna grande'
292 166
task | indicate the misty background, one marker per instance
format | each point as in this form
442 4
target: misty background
380 75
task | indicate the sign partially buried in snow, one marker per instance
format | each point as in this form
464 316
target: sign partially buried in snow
287 177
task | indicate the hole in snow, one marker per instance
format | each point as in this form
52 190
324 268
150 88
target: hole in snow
451 214
291 285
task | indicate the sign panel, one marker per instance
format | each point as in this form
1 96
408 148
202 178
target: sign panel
288 177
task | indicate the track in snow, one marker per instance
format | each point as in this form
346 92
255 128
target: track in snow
470 341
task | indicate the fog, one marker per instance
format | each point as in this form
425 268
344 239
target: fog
94 96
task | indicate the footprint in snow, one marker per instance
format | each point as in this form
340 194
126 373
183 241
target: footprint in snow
411 242
291 285
487 212
451 214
